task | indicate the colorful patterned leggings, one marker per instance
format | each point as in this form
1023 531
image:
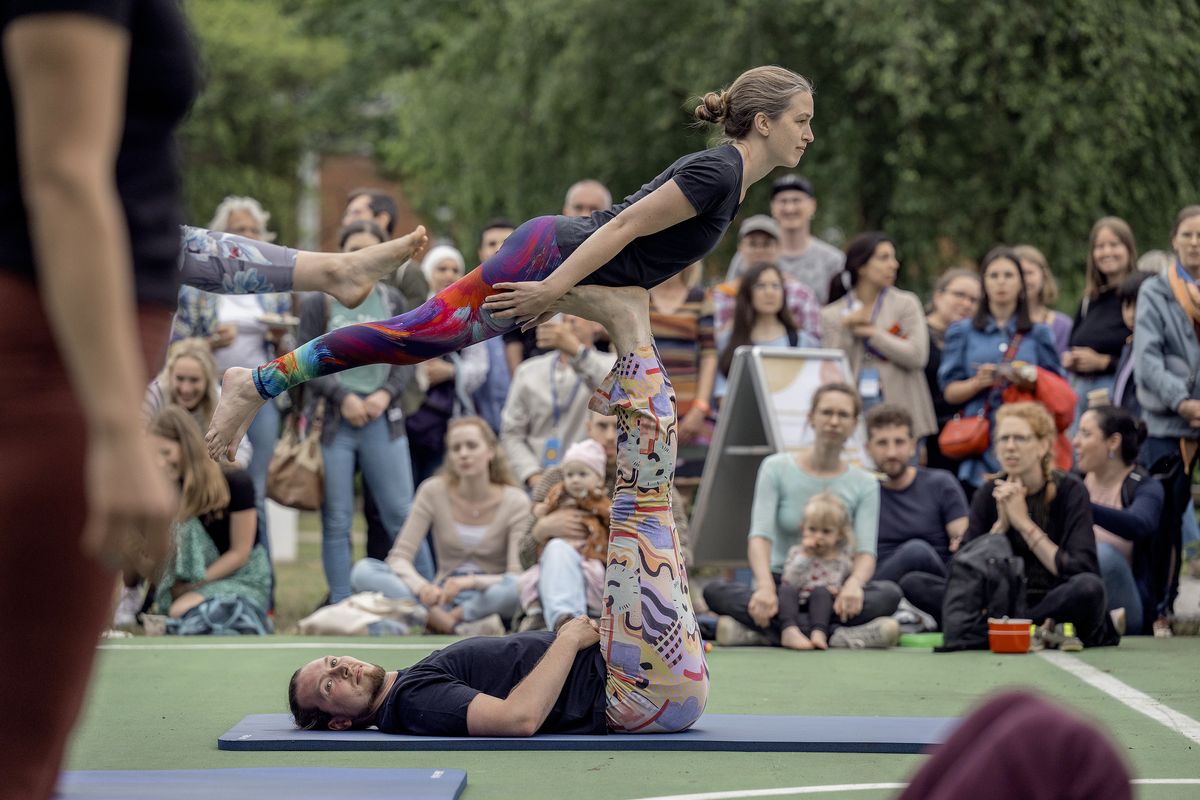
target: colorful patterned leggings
228 264
449 321
657 678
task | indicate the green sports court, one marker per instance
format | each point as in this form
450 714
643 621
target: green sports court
161 703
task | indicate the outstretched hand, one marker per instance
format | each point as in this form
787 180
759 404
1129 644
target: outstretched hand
526 302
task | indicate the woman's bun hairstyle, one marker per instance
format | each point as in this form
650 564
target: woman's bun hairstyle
713 108
767 90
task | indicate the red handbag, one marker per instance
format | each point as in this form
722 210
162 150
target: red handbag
969 437
966 437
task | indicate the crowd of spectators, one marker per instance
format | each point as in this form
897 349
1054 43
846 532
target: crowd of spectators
485 478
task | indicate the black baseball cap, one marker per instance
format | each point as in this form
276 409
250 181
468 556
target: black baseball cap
792 183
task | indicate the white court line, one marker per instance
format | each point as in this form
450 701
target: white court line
335 647
1139 701
737 794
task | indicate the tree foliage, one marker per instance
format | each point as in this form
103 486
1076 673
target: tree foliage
953 126
258 110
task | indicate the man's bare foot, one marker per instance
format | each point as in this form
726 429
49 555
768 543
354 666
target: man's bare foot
819 640
354 275
624 311
240 401
791 638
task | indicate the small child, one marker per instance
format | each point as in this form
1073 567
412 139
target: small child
814 572
582 488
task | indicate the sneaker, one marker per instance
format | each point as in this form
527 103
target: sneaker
1061 636
127 610
878 634
731 633
912 619
1069 643
490 625
533 620
1162 628
1117 615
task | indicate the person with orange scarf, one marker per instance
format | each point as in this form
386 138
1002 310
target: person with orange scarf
1166 349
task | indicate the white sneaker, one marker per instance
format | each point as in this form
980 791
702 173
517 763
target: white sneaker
878 634
912 619
731 633
490 625
130 604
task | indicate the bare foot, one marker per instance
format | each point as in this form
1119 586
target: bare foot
819 640
240 401
356 273
623 310
793 639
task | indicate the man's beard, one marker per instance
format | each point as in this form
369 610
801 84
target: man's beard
373 676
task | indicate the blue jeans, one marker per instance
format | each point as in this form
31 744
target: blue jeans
915 555
561 582
386 468
373 575
263 434
1120 587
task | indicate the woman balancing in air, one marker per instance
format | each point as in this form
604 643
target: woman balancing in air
598 267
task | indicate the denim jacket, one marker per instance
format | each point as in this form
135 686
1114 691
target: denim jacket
966 348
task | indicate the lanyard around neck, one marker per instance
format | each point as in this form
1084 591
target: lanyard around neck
554 407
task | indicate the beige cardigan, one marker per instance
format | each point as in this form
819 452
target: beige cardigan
496 552
902 376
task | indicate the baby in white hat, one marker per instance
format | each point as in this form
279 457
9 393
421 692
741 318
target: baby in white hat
582 487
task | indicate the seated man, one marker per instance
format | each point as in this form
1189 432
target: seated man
654 678
922 512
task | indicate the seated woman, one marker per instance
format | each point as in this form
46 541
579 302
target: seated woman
472 512
1047 517
760 317
217 552
786 482
977 359
882 330
1126 505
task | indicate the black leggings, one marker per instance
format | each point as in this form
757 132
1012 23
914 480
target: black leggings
819 606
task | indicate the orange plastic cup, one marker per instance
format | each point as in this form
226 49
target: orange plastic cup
1009 635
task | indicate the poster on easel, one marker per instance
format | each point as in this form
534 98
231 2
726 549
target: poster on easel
765 411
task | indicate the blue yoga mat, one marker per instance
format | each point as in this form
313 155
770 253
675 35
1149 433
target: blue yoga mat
732 732
294 783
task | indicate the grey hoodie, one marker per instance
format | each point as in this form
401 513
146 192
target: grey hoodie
1167 357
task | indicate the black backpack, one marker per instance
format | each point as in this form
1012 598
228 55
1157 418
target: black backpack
986 580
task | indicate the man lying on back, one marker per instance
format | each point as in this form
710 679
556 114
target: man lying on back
518 685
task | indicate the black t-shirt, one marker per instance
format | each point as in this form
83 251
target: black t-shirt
711 180
922 511
241 497
163 80
431 697
1101 328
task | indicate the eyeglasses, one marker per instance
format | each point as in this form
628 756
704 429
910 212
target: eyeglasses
960 295
1015 438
